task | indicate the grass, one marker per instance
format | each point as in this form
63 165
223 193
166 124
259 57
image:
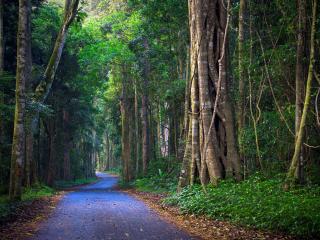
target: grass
29 194
73 183
256 202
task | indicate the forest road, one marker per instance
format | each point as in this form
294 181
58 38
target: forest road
97 212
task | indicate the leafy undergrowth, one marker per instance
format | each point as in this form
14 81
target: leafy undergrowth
113 171
256 202
29 194
156 184
73 183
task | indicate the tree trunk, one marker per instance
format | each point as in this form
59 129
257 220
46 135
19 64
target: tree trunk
144 107
23 76
291 176
185 131
125 136
185 174
300 78
209 154
43 88
233 164
241 104
66 146
214 145
1 38
52 153
136 133
2 134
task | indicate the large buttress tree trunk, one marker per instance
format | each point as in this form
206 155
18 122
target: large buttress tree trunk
23 75
232 164
214 146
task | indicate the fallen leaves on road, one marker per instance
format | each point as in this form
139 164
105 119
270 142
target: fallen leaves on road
200 226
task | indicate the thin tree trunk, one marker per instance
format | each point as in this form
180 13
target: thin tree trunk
241 102
67 146
23 76
291 176
144 106
241 68
300 78
185 173
2 134
125 135
43 88
52 154
1 38
185 131
136 122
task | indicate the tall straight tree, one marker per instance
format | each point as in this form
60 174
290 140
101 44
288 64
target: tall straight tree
125 128
43 89
241 67
23 76
300 76
1 73
144 109
291 175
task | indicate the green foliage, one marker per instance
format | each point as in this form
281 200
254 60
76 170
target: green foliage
272 134
29 194
37 191
46 21
114 171
161 183
72 183
256 202
162 176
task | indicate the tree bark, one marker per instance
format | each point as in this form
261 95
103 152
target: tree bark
144 108
66 146
23 75
214 145
2 128
136 123
241 101
241 68
300 78
185 174
291 176
52 152
233 164
125 128
43 88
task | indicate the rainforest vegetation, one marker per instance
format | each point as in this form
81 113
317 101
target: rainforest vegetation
214 102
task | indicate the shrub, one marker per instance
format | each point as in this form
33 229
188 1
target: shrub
256 202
